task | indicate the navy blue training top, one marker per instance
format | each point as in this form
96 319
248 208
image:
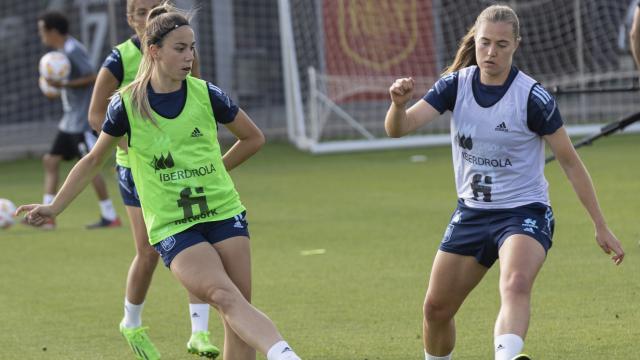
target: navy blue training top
543 116
168 105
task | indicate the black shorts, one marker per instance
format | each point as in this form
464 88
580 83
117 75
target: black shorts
73 146
481 232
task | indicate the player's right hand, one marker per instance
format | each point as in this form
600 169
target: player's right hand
401 91
36 214
609 243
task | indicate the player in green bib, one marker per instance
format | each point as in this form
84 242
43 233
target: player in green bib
192 212
118 70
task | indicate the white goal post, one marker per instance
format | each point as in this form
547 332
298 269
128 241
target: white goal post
340 57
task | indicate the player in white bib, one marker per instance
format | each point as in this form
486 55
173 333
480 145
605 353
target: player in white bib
501 121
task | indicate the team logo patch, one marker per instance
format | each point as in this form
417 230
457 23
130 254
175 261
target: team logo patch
162 162
529 225
168 243
464 141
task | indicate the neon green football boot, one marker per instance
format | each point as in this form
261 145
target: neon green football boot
140 343
199 344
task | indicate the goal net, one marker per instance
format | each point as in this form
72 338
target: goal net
341 56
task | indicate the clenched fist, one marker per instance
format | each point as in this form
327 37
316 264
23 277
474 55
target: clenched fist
401 91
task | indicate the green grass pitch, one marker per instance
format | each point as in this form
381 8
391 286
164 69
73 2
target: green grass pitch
378 216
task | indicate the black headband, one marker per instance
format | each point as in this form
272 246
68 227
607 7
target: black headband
177 25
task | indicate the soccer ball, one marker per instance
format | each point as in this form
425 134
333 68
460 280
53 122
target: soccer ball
7 208
54 65
48 90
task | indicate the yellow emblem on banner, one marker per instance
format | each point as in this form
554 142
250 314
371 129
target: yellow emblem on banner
378 34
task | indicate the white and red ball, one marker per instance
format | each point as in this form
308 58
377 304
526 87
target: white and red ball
7 208
53 65
48 90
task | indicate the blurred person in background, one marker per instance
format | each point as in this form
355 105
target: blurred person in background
74 138
634 36
634 40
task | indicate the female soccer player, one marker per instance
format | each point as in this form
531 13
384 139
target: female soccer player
193 214
501 119
118 70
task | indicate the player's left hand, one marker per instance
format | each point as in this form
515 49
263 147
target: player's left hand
36 214
609 243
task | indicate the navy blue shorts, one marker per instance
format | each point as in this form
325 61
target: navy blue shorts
211 232
481 232
127 187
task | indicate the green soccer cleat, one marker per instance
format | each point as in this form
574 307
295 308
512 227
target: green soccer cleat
199 344
522 357
139 342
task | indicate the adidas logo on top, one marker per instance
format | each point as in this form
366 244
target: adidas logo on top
196 133
502 127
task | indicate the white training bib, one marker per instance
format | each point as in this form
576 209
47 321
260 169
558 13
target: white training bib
498 161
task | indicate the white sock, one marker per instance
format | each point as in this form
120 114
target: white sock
132 314
107 210
199 317
48 198
281 351
431 357
507 346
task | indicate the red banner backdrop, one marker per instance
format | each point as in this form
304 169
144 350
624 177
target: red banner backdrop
366 38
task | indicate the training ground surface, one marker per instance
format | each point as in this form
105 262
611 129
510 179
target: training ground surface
378 216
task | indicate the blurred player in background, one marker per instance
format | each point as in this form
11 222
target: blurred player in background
501 121
634 36
74 138
634 40
118 70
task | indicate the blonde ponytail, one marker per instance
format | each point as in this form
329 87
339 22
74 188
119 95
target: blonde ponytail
138 88
161 20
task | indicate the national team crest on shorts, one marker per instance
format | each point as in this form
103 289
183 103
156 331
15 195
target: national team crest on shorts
168 243
455 219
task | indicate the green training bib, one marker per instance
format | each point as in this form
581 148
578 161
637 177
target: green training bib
177 167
